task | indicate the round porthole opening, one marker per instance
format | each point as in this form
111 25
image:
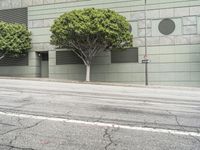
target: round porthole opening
166 26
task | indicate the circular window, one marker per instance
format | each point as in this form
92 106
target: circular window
166 26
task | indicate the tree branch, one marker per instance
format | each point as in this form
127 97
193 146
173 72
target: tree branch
2 56
78 47
80 57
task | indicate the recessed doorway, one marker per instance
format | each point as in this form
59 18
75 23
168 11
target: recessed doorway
44 64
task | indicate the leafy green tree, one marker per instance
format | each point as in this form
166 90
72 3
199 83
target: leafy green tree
14 39
88 32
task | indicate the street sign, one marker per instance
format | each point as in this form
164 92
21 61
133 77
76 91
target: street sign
145 61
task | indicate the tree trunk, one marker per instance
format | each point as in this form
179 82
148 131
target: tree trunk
2 56
88 73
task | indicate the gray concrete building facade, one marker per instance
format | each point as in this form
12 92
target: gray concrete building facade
173 40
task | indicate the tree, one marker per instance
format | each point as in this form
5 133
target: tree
87 32
14 39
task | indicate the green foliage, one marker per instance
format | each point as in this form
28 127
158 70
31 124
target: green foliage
14 39
91 28
90 31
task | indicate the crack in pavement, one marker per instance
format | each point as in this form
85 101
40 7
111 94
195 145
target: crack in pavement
14 147
19 121
67 114
11 141
21 128
99 118
181 126
10 131
23 105
16 136
6 124
107 134
176 119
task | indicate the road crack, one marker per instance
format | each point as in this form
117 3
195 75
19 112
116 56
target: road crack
108 135
181 126
15 147
11 141
99 118
22 127
176 119
6 124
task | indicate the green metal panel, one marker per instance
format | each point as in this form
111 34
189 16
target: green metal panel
14 61
19 71
44 69
67 57
124 56
18 15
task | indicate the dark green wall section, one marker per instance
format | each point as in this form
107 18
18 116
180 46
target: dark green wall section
67 57
14 61
125 56
19 15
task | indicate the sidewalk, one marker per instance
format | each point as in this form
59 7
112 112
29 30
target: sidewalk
104 83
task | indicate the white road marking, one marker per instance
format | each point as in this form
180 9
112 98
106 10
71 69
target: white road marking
175 132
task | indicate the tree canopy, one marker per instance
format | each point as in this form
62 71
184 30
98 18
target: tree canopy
14 39
90 31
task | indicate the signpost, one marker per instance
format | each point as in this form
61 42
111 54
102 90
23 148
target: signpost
146 60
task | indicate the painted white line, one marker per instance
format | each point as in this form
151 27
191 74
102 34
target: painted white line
175 132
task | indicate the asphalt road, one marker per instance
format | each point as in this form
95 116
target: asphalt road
36 115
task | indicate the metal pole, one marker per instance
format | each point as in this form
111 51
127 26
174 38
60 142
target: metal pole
145 56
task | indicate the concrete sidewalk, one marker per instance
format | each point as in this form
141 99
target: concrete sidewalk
103 83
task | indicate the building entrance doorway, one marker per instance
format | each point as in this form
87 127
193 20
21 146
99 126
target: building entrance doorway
44 65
